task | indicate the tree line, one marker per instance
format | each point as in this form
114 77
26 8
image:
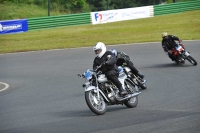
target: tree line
75 6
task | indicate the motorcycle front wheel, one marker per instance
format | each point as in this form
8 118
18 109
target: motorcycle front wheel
97 106
130 87
192 60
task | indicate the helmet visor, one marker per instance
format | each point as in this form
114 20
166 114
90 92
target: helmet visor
97 51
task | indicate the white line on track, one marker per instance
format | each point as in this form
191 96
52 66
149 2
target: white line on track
6 87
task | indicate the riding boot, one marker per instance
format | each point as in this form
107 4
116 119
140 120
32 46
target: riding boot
122 91
143 81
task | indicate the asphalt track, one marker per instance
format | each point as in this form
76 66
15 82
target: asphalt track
45 93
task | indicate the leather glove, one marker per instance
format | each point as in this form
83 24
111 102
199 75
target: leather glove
180 40
124 64
104 63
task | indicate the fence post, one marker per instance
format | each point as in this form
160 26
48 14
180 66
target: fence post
48 7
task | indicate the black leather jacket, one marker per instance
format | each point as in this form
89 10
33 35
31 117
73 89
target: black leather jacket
169 43
111 63
122 58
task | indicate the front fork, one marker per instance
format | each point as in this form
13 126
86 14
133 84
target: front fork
96 90
185 55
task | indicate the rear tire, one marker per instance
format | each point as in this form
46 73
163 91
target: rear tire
192 60
97 106
130 88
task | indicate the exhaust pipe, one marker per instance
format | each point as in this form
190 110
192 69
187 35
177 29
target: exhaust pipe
130 96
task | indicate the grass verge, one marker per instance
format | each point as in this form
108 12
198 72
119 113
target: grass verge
184 25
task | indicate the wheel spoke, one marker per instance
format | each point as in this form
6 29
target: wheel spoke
98 104
131 88
132 100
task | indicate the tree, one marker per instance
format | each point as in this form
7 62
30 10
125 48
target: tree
119 4
99 5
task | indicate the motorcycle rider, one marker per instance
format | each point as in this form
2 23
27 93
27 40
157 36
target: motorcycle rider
168 44
109 67
124 59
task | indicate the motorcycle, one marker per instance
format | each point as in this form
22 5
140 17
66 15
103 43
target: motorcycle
100 92
137 80
181 55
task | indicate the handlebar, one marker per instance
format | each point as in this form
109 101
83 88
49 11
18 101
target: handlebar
97 68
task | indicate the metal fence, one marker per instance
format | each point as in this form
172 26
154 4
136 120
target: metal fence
176 7
58 21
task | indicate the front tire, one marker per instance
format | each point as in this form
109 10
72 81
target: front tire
192 60
130 88
97 106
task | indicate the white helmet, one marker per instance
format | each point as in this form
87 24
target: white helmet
100 46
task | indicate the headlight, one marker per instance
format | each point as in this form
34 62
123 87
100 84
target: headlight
86 84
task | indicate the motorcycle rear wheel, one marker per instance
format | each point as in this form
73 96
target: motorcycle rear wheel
96 106
192 60
130 87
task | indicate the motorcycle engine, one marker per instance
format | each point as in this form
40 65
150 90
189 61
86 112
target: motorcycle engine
109 89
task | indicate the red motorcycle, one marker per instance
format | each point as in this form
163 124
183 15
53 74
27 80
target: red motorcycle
181 55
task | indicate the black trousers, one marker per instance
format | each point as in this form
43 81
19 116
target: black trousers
131 66
112 75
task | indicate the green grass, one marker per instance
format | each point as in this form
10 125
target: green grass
184 25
